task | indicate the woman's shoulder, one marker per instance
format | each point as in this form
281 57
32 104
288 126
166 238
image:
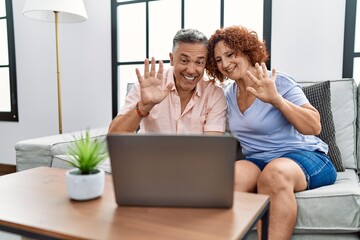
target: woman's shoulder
229 86
284 77
285 82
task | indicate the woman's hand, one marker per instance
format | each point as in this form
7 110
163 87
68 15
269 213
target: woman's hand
305 118
266 88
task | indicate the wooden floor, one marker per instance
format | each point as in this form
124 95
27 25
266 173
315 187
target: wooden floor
7 168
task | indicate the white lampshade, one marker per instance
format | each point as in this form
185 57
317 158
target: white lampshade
43 10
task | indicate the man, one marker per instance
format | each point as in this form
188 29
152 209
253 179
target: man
178 100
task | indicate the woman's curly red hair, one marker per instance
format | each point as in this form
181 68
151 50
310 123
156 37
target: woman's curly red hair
242 41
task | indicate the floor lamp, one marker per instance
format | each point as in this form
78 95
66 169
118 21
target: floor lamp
56 11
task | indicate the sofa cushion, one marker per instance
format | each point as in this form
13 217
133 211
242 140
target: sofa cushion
344 109
319 96
333 208
37 152
62 147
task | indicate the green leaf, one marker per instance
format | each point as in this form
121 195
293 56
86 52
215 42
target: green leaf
86 154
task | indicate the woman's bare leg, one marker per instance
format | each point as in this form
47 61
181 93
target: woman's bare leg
280 179
246 176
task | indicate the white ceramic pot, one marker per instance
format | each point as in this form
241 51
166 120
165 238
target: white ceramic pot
84 187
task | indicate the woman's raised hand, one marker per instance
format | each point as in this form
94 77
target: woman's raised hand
266 88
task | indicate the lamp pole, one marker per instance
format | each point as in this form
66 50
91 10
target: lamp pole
58 70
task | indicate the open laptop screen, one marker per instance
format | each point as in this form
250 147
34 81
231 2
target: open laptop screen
173 170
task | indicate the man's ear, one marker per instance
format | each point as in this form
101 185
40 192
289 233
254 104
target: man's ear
171 55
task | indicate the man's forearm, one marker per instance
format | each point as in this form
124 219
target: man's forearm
127 123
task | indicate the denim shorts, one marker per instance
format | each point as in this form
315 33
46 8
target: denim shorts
317 167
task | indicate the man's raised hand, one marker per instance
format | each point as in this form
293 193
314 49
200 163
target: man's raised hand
151 83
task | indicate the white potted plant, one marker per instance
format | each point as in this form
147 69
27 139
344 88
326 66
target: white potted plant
86 181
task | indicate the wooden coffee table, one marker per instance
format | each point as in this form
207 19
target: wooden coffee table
34 203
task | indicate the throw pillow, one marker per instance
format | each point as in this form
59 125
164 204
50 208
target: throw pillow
319 96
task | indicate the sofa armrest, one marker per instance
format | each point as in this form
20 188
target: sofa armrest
37 152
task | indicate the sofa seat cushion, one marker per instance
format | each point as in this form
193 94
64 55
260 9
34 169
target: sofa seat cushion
333 208
62 161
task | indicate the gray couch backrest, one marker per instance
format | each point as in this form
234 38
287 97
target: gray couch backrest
344 97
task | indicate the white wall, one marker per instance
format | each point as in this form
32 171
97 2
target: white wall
307 38
307 42
85 55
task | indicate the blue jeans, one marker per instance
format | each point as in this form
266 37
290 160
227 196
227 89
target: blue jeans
317 167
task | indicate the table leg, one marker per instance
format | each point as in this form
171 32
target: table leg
265 225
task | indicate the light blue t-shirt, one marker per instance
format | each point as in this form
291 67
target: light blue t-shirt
263 131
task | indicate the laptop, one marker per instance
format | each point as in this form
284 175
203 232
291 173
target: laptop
173 170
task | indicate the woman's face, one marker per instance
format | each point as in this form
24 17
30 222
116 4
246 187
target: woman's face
230 65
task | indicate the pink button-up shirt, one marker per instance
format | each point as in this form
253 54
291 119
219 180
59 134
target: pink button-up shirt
205 112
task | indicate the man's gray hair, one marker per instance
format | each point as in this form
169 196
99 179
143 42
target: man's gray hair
189 36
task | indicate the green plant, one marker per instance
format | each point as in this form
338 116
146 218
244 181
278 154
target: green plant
86 153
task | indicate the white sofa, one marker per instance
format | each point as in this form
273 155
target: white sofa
330 212
51 151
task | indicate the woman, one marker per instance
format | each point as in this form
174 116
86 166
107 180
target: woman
270 116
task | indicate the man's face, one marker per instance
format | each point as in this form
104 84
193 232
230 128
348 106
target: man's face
189 61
